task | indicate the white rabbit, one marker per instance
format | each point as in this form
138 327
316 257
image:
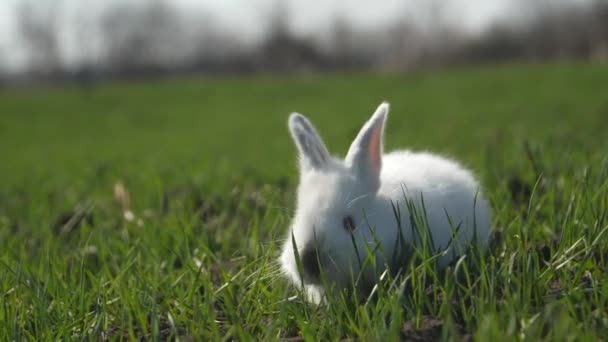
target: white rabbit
345 208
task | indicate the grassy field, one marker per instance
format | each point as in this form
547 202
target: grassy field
155 209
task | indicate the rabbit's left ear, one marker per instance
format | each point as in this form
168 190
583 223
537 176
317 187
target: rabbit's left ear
365 153
313 153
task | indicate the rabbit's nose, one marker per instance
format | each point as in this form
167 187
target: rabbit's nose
310 264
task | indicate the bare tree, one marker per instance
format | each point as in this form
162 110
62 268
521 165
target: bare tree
283 51
348 47
142 38
37 25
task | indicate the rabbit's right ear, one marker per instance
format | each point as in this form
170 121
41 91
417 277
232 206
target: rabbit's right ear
313 153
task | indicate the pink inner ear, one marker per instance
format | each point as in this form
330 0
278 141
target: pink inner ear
374 148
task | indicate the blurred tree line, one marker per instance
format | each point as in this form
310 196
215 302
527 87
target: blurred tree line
157 38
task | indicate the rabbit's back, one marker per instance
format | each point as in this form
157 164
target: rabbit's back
446 188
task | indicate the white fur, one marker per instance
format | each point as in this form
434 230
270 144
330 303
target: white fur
363 185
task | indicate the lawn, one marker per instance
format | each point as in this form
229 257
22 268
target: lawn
155 209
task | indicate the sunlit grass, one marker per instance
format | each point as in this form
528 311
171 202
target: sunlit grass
157 209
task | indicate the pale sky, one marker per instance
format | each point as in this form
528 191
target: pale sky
249 17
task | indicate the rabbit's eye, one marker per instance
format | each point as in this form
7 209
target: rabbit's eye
348 223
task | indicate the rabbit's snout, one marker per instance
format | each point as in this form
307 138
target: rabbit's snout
311 267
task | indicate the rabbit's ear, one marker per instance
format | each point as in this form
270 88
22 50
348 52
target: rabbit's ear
313 153
365 152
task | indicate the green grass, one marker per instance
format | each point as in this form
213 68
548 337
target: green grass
211 171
